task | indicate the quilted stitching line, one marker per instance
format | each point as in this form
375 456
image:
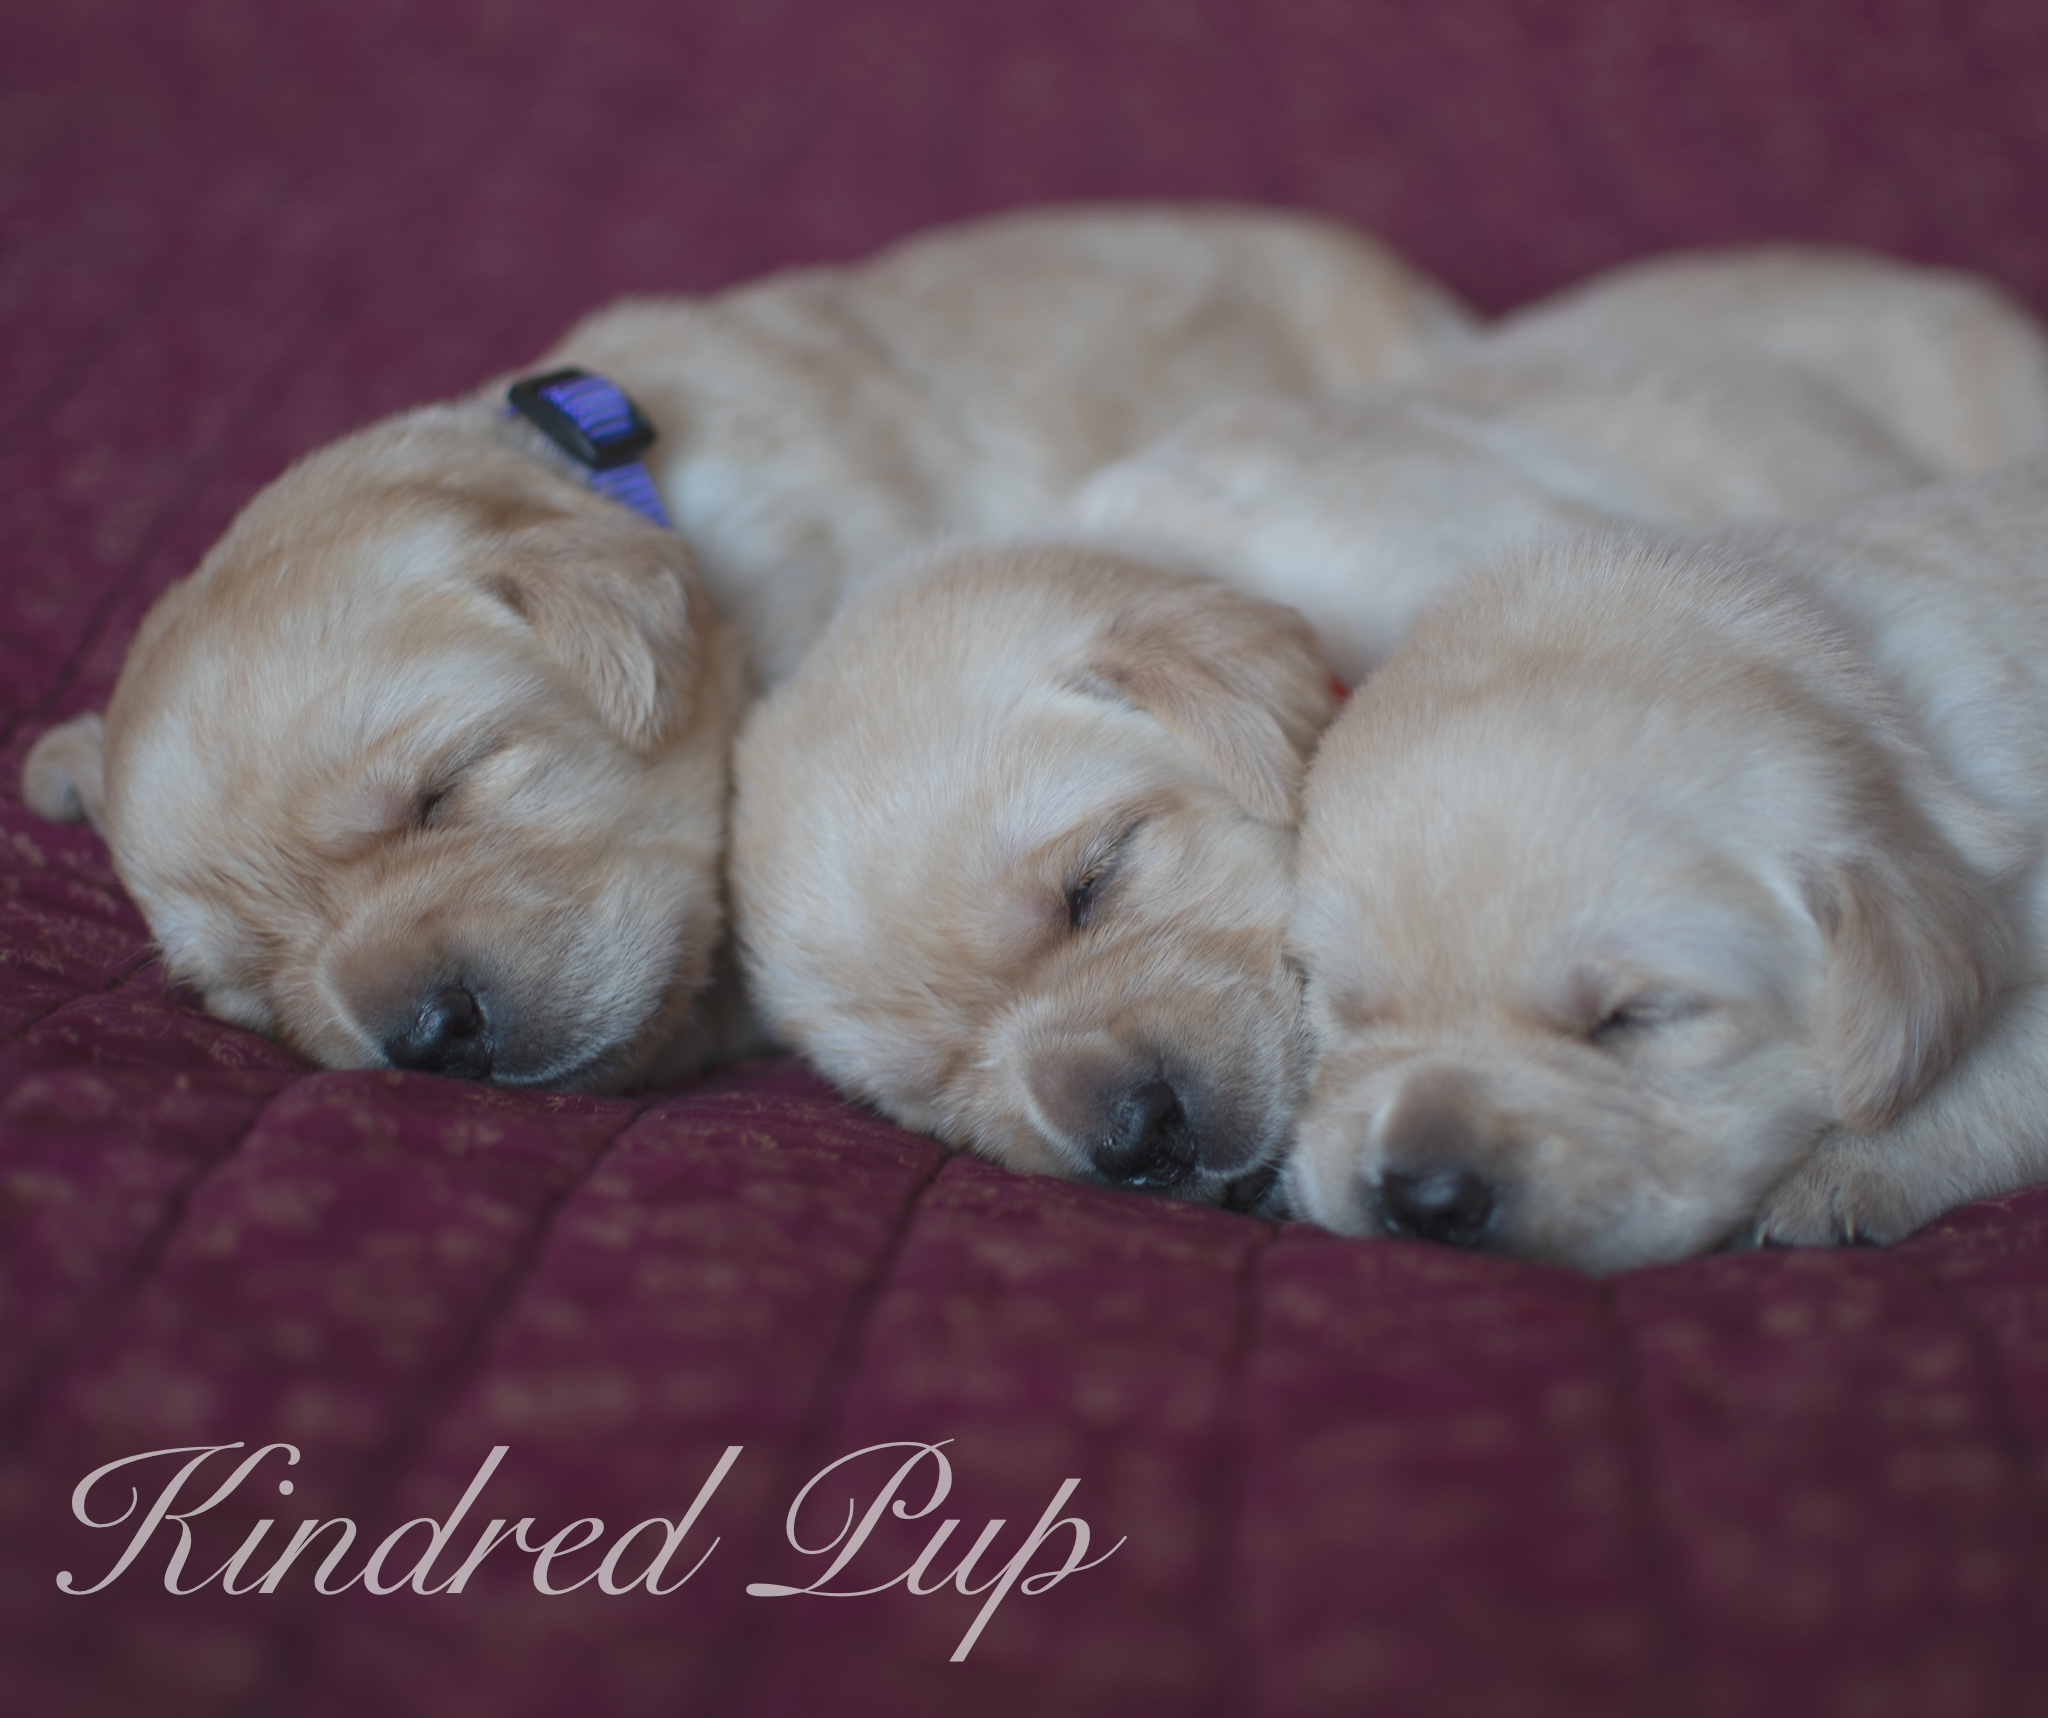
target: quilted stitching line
117 975
718 1686
18 1416
842 1360
1234 1674
412 1426
2005 1414
386 1466
1677 1651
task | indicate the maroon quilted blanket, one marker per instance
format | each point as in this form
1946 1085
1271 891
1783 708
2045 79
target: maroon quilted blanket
555 1405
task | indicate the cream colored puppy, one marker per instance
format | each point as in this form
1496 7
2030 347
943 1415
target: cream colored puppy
426 766
1010 861
1657 890
1686 391
427 763
954 761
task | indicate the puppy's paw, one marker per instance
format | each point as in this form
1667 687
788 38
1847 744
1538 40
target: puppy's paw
1841 1195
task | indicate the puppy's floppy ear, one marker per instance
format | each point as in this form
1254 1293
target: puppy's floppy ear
612 603
1916 951
1239 680
64 777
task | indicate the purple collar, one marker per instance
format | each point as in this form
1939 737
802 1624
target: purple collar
595 424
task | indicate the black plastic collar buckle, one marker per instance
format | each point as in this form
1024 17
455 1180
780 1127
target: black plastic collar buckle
587 417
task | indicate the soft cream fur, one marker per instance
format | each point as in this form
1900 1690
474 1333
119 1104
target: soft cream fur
1663 890
892 927
822 425
1687 391
433 715
1951 364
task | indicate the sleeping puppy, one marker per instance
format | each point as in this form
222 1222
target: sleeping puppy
1659 890
1010 861
1686 391
426 765
975 745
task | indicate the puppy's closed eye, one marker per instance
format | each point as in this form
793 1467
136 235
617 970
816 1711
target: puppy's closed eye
1621 1025
430 807
1621 1010
440 795
1086 892
1081 897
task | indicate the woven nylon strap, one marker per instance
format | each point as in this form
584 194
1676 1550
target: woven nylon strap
594 423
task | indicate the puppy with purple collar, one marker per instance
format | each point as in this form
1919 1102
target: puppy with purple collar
426 764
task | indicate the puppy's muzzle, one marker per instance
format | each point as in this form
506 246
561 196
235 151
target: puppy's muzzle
449 1033
1434 1185
1136 1119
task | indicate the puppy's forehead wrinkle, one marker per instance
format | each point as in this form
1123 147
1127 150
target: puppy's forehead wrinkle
375 683
1718 633
1492 762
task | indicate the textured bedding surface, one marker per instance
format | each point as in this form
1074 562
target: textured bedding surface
1348 1477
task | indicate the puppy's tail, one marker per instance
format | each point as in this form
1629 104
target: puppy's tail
65 778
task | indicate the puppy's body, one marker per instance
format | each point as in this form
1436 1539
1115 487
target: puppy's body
1687 391
1948 363
818 427
953 722
1654 885
427 763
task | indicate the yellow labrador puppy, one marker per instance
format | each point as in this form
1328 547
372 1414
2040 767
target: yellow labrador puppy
1659 890
1010 861
426 765
1012 847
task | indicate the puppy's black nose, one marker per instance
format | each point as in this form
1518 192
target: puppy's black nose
1450 1205
449 1035
1146 1140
